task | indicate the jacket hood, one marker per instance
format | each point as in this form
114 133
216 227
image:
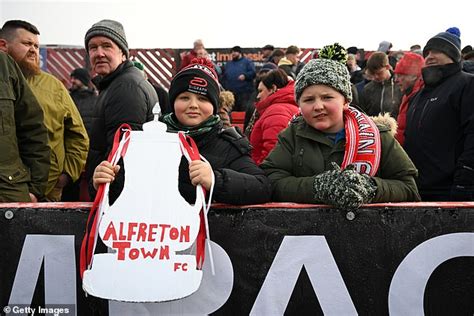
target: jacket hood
285 61
386 123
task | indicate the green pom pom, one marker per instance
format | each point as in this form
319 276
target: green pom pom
334 52
139 65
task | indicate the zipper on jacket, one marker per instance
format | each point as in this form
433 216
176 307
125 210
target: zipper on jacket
422 113
412 109
381 98
393 97
299 161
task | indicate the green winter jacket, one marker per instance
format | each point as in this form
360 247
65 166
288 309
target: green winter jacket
67 136
303 152
24 151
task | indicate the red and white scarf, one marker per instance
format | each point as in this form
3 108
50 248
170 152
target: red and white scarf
190 150
119 149
363 145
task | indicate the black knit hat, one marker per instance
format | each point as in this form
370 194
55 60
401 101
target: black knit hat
82 75
199 78
446 42
110 29
352 50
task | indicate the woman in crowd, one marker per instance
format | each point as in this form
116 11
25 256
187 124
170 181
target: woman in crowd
275 107
238 180
304 165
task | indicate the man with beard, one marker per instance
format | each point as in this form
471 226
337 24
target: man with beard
125 96
67 137
24 158
439 135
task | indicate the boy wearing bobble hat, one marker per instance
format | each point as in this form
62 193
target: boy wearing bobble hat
304 165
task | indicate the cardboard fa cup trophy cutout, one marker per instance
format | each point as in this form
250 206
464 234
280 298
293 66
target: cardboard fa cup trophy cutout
149 227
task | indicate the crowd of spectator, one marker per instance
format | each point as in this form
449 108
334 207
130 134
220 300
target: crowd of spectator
340 129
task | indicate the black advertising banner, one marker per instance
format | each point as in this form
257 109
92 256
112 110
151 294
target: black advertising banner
406 259
220 56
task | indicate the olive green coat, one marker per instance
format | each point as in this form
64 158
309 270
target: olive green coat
303 152
24 151
67 136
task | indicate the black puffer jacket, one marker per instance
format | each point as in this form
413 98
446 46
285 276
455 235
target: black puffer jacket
238 179
124 97
85 100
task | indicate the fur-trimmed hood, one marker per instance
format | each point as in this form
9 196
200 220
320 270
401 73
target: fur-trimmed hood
387 122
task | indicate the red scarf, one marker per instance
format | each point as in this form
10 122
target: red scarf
92 228
402 113
363 145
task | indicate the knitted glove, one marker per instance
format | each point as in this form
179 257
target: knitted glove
345 189
325 185
361 188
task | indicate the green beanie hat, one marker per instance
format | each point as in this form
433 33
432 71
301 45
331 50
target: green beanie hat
329 69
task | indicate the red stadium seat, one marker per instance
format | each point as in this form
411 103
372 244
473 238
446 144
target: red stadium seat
238 119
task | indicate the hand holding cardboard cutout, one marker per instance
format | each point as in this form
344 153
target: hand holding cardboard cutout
146 226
